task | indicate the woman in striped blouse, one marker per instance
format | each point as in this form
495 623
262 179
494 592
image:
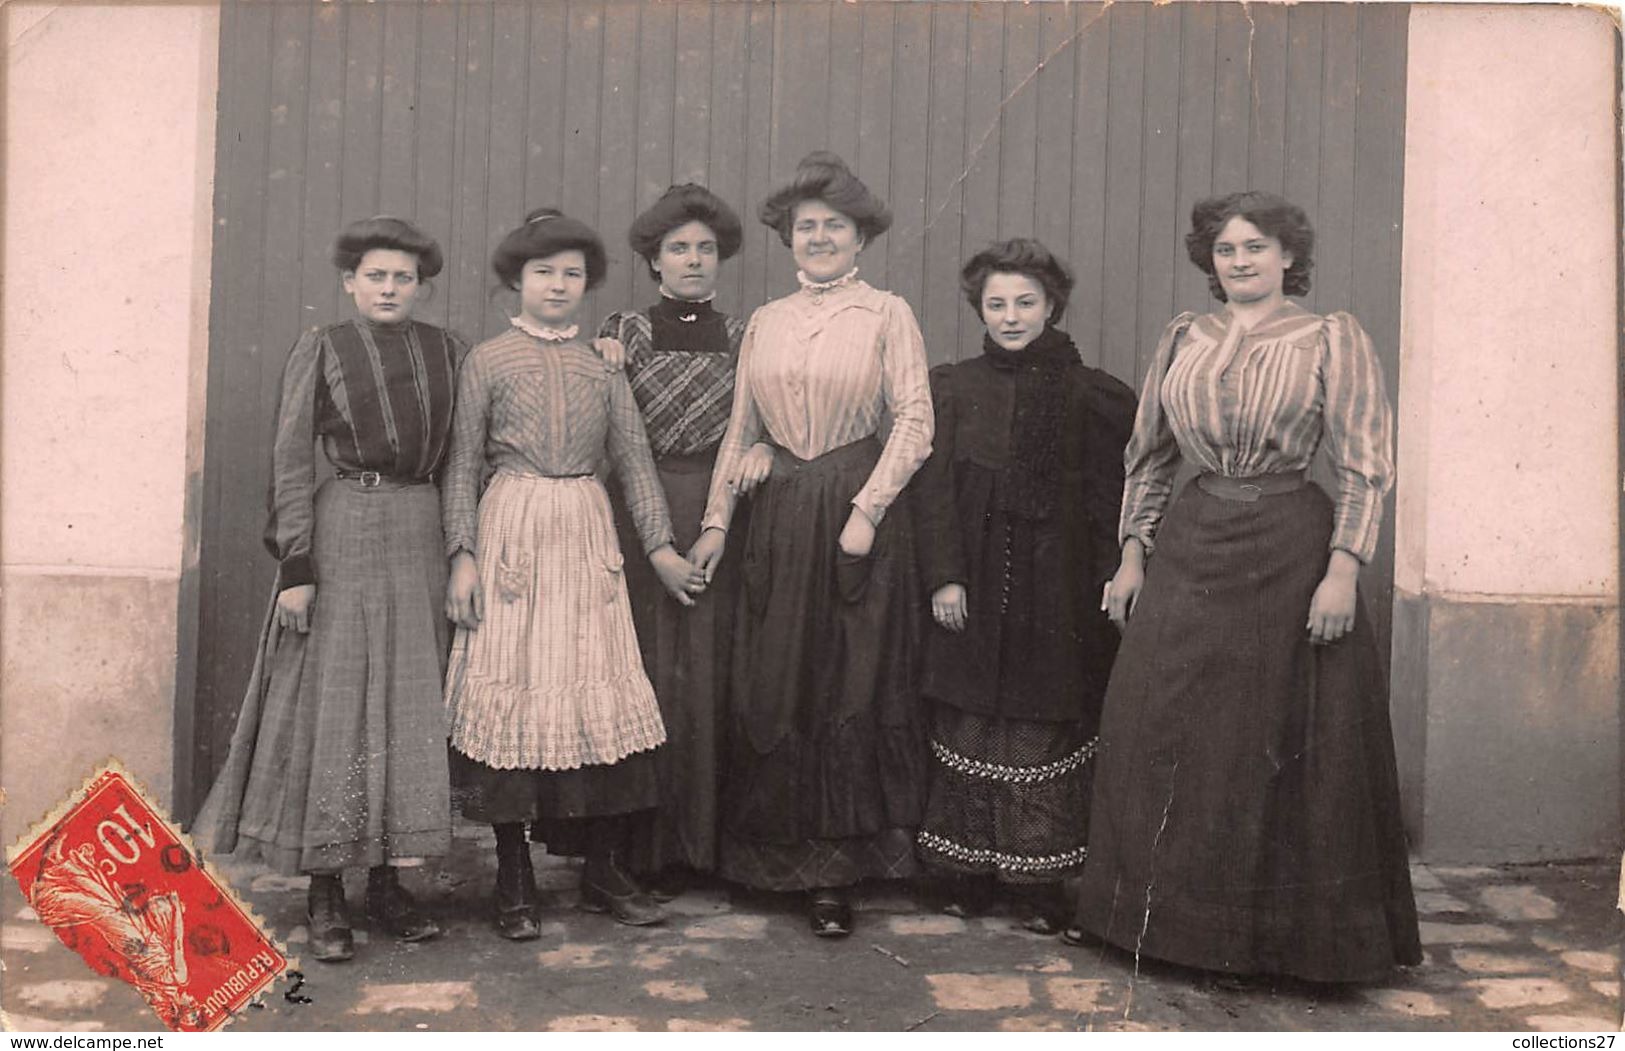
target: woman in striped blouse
826 764
339 758
1246 809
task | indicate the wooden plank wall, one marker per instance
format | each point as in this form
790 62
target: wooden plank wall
1092 126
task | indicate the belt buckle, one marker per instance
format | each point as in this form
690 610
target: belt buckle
1249 493
370 479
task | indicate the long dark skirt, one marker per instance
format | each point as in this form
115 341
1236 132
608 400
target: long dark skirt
686 653
339 757
826 771
1009 797
492 796
1246 806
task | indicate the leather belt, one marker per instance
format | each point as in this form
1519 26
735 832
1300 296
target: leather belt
1248 490
376 480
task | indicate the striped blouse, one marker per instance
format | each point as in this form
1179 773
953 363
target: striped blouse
549 409
378 397
1248 403
822 369
684 391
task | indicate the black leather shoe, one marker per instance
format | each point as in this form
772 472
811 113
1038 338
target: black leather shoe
830 914
516 899
393 909
606 887
328 921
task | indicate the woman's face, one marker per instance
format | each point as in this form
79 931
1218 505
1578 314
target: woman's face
824 242
551 287
1014 308
688 260
1250 264
383 285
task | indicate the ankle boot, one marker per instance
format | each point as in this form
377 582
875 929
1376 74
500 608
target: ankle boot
389 906
327 919
606 886
516 898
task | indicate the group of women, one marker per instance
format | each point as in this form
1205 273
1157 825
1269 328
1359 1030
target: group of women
847 617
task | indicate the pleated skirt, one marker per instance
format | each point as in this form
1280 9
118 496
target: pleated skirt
825 777
1246 808
339 755
550 711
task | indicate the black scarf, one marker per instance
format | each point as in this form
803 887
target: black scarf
1031 480
678 324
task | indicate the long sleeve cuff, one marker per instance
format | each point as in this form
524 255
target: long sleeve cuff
296 570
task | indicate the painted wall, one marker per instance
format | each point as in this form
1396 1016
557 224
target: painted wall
1507 588
109 114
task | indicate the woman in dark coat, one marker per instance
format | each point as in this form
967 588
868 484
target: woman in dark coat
1246 808
1017 510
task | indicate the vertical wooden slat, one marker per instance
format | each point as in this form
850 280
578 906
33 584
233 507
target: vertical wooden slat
691 134
1018 145
1197 92
505 172
1057 99
871 154
363 112
398 146
1268 46
801 65
1125 123
1305 25
584 43
1159 200
905 260
628 283
1232 105
544 166
656 74
437 80
467 284
1086 315
760 241
984 92
945 164
849 56
729 37
324 147
1334 214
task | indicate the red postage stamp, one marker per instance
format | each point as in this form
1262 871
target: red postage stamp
122 888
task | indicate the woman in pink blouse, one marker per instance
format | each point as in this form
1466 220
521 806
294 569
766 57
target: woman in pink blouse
826 766
1246 809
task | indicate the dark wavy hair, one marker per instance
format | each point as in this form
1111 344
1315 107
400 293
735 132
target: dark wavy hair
823 176
1019 255
1274 216
687 203
548 231
386 231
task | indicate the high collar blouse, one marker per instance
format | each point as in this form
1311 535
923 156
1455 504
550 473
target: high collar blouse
819 369
685 389
1244 403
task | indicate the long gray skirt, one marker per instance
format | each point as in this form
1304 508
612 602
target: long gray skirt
339 757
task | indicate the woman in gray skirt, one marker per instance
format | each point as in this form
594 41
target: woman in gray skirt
339 757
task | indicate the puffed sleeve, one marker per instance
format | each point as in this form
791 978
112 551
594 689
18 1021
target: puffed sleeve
1108 424
291 497
1359 435
466 459
1152 457
744 428
906 386
629 451
936 521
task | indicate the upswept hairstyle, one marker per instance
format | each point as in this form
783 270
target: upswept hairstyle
548 231
1019 255
823 176
679 205
1274 216
386 231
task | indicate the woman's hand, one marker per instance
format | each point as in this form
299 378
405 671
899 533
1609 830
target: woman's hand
677 574
707 551
950 607
858 535
613 351
1331 611
1123 589
293 607
753 469
465 599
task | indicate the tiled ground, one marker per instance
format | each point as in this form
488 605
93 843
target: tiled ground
1514 948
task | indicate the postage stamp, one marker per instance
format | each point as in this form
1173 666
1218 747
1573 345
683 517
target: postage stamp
123 888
